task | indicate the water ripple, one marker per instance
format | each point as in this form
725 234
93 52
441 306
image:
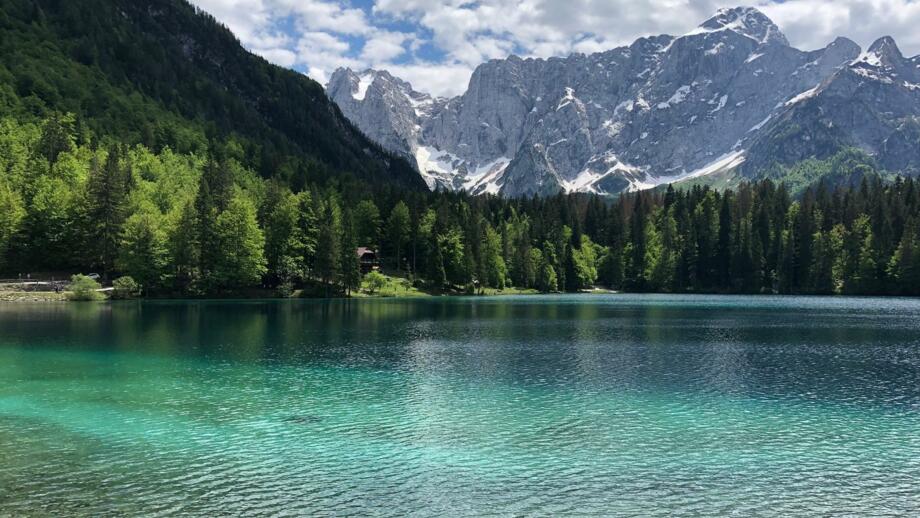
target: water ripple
544 406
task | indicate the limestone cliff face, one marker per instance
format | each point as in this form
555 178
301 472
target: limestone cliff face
663 109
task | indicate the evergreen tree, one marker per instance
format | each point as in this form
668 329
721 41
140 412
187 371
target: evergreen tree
435 271
398 232
351 265
610 271
904 267
559 252
787 267
329 245
367 224
306 234
822 265
636 259
724 245
655 262
183 247
107 198
424 242
214 192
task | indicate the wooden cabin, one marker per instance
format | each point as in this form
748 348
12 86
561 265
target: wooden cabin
368 259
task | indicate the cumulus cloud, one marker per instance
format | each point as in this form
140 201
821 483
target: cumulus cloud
810 24
436 44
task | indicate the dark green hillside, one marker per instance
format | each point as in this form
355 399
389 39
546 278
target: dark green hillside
161 73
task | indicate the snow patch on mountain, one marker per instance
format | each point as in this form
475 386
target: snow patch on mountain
486 179
679 96
807 94
726 162
436 167
364 82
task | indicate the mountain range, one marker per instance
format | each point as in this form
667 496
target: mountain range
731 97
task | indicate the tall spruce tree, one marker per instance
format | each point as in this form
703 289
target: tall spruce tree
398 233
351 264
107 204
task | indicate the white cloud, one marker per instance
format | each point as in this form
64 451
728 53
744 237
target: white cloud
383 47
327 16
811 24
333 33
437 79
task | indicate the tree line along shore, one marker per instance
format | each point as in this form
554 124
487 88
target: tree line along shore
204 224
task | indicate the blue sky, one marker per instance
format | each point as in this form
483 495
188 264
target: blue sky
435 45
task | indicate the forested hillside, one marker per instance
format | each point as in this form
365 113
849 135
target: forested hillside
163 74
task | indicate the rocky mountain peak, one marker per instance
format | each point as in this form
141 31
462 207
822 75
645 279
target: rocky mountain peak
883 62
746 21
841 42
886 50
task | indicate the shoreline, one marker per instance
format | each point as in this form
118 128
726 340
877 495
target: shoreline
13 298
16 297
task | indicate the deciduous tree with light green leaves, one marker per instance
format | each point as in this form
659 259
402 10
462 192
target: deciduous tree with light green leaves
143 253
493 271
84 289
56 138
241 261
281 239
546 276
586 259
12 213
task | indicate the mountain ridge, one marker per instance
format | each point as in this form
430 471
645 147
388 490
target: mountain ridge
165 73
662 109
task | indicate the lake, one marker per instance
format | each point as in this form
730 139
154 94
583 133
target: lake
557 405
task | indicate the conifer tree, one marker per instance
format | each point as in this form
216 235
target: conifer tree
183 247
329 243
107 199
367 224
398 233
435 272
904 267
351 265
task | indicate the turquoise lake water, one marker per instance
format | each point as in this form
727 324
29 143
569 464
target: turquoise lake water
562 405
